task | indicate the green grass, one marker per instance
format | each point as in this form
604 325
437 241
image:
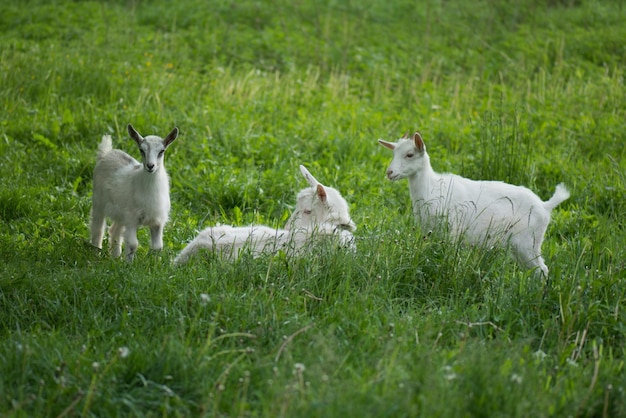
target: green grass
529 92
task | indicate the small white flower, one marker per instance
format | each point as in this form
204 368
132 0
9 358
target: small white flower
123 352
516 378
204 298
299 367
449 373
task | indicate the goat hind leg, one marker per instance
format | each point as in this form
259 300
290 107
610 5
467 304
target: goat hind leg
539 267
530 258
98 223
204 240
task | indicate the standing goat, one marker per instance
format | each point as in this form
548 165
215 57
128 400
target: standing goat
131 193
481 212
320 210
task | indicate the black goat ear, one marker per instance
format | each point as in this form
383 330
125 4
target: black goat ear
170 137
134 134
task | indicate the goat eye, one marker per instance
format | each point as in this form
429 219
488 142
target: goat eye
307 211
161 153
410 155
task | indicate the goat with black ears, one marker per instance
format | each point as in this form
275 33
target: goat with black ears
131 193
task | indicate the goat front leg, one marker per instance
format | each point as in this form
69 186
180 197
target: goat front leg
156 232
130 236
115 239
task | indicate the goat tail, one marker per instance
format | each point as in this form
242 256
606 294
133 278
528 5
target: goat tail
559 196
106 145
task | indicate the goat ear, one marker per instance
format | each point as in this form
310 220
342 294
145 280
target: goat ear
390 145
406 135
309 177
419 142
134 134
170 137
321 193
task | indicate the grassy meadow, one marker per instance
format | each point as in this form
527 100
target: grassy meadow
530 92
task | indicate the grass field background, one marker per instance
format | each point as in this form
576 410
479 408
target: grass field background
529 92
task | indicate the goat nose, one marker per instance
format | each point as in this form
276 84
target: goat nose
150 166
389 173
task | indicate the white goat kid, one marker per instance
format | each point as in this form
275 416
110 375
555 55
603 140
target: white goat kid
480 212
320 207
131 193
320 211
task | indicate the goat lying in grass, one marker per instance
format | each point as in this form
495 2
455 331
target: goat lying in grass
481 212
131 193
320 211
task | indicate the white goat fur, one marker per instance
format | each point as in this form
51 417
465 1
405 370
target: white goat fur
131 193
320 211
480 212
